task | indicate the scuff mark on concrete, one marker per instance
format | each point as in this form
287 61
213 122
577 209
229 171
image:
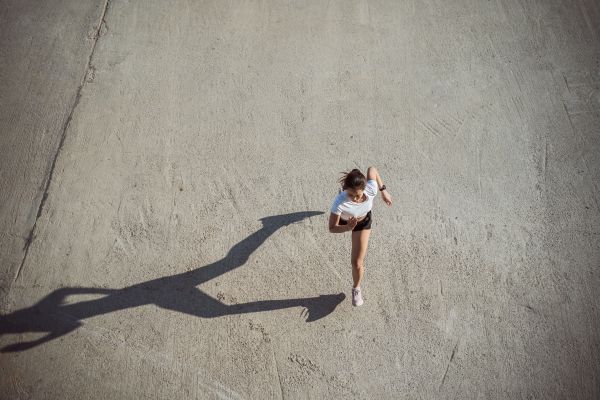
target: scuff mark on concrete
448 366
278 374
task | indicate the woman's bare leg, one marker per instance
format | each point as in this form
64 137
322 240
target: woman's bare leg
360 241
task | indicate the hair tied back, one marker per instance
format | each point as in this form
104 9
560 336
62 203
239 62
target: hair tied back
353 179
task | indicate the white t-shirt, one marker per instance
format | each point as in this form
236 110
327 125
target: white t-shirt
346 208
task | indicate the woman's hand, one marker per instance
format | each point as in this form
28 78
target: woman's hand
352 222
386 197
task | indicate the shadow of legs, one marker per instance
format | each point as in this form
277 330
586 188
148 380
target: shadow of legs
201 305
316 307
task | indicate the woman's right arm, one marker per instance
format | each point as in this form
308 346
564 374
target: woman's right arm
335 228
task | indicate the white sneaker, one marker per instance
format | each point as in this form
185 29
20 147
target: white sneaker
357 299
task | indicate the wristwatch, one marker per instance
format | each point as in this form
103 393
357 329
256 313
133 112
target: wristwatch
381 189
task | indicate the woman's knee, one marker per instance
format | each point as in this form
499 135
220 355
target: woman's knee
358 264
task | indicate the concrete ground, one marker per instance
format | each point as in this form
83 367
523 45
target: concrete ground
167 170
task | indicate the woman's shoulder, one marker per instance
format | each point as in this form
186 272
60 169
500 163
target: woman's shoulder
371 188
341 196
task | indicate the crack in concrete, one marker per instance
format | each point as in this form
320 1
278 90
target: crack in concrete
100 31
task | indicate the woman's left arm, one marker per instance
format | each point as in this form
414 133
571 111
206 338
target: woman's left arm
372 173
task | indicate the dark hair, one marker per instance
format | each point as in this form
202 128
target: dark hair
353 179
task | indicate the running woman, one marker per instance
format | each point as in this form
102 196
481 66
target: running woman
351 211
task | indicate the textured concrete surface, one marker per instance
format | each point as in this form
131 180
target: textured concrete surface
167 170
44 52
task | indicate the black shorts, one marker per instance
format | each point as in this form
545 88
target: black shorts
362 225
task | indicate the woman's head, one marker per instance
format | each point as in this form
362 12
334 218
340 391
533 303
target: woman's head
353 183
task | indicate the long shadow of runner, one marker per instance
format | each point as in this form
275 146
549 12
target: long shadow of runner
176 292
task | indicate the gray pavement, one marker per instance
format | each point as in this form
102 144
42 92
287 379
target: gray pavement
167 170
